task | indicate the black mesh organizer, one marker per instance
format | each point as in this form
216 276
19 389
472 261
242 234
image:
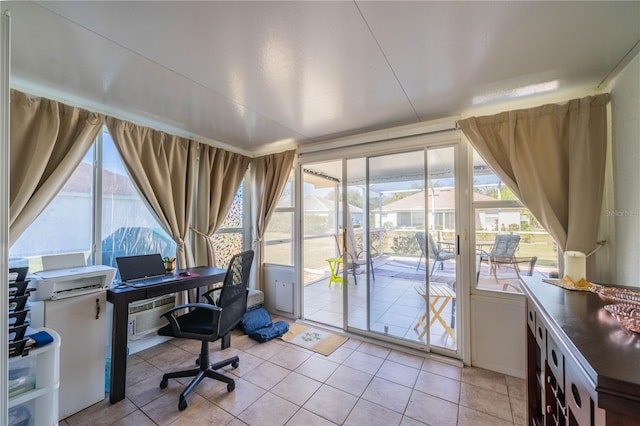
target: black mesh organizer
18 312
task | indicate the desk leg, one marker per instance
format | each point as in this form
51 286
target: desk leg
225 341
118 374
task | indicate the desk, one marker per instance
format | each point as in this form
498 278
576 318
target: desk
121 296
439 297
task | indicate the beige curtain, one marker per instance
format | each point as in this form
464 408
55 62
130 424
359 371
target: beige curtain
163 168
270 174
220 173
48 141
553 158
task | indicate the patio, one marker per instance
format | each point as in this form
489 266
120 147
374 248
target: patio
396 305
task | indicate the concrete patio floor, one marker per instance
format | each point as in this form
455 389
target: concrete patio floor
395 304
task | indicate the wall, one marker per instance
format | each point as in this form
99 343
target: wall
280 290
498 327
625 110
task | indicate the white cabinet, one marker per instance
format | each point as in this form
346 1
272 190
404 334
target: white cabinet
80 321
33 385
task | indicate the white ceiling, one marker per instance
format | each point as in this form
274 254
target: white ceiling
263 75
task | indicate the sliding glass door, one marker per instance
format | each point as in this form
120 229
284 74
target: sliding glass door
379 246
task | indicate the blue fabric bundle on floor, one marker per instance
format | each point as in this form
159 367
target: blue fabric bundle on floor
265 334
255 319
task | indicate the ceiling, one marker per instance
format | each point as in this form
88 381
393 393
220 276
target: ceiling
260 76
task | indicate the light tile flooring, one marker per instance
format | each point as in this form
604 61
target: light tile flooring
278 383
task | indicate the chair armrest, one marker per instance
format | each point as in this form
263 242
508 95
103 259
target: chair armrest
169 315
207 295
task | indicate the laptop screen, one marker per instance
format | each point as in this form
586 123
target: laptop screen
140 266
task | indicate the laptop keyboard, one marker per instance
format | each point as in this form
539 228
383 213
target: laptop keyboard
150 281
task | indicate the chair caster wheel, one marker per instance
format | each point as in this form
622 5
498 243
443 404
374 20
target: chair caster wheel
235 364
231 387
164 383
182 404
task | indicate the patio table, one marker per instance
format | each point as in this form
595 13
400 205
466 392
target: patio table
439 297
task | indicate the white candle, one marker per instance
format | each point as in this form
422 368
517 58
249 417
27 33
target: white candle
575 265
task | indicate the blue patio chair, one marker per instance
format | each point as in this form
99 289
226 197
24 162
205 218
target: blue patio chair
436 252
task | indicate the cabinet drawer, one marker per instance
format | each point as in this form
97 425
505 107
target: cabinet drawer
531 317
577 395
555 359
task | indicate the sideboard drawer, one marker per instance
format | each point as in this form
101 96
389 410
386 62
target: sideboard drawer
541 334
531 317
555 359
577 395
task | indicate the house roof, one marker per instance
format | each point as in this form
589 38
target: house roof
316 204
438 199
81 182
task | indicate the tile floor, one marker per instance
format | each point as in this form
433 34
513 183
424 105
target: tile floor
278 383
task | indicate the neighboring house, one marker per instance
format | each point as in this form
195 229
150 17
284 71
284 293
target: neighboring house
409 211
314 205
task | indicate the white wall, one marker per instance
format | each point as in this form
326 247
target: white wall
280 290
498 326
625 108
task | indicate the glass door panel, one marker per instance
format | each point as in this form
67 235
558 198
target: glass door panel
393 193
442 247
322 265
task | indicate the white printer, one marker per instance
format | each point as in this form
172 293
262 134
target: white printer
67 276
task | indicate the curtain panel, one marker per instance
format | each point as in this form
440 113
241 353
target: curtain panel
48 140
162 166
220 173
553 159
270 175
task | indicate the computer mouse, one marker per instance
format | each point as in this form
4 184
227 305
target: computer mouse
185 274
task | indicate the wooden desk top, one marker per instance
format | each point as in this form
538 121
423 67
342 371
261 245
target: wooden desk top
202 276
609 353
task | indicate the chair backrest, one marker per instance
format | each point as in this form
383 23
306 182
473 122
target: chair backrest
505 245
352 252
433 247
339 244
420 240
233 296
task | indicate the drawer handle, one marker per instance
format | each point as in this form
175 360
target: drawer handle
576 395
540 332
531 316
554 357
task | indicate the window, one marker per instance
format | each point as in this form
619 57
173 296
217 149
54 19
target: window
64 226
125 227
229 238
128 226
278 239
510 242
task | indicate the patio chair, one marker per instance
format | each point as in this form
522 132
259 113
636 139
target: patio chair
438 253
503 252
354 258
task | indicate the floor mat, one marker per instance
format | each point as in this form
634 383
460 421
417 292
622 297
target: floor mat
315 339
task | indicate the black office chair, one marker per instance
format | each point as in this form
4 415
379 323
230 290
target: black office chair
210 322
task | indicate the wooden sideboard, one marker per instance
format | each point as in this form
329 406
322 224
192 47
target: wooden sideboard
583 367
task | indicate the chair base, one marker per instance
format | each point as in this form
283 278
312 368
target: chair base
205 369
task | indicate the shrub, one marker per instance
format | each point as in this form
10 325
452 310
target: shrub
405 245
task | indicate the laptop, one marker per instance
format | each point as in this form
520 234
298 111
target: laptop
143 270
